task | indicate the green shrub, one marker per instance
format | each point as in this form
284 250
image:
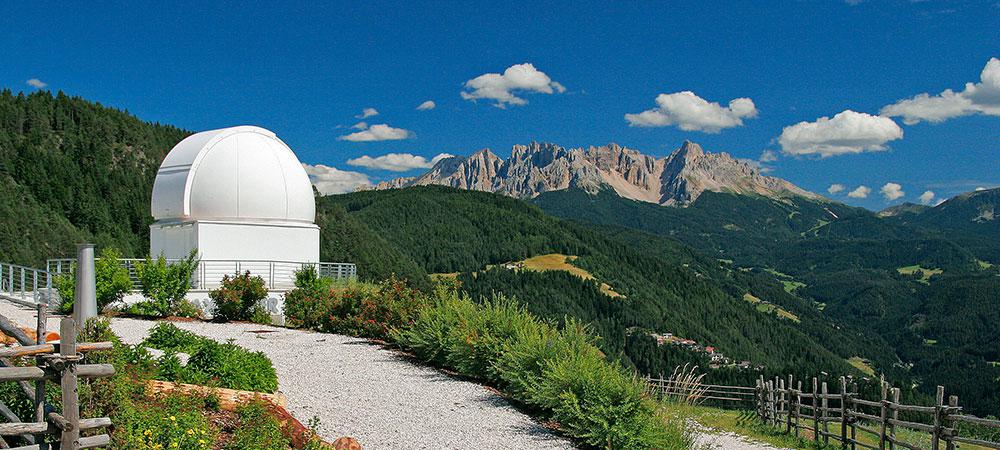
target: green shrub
258 429
225 365
308 279
111 278
167 337
163 284
559 371
231 366
358 309
239 296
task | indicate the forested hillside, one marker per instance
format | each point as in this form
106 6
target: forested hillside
72 170
667 286
924 282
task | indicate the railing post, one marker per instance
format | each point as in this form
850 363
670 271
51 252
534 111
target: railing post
70 395
938 407
843 413
23 290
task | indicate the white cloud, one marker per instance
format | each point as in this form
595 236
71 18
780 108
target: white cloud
360 126
366 113
927 197
36 83
892 191
693 113
397 162
836 188
330 180
501 87
429 104
768 156
976 98
860 192
847 132
380 132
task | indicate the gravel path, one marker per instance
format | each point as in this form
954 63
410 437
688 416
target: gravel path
361 390
709 439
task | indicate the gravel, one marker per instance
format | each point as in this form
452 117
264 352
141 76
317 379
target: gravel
364 391
706 438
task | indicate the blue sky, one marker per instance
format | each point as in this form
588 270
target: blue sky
306 72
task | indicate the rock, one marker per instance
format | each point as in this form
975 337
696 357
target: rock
675 180
346 443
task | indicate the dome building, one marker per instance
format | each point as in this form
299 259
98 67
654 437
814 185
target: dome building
234 194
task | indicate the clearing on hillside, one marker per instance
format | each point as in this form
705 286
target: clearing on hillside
557 261
925 274
770 308
862 365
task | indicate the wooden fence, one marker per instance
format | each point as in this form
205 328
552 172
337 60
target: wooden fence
62 364
729 396
841 414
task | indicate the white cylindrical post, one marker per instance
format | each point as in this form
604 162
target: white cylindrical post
85 297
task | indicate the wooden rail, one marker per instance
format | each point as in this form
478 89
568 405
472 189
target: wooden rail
782 406
61 363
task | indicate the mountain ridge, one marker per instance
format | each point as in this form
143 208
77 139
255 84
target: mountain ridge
673 180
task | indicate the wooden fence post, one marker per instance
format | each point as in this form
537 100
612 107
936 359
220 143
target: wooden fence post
770 402
788 406
815 408
70 395
798 406
843 413
40 331
895 416
883 413
938 406
854 428
826 424
953 403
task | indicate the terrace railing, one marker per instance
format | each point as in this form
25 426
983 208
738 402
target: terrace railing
25 284
279 275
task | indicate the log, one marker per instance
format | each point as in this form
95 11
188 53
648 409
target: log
229 399
16 428
37 373
43 349
11 329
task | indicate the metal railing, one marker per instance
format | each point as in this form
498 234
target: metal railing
27 284
279 275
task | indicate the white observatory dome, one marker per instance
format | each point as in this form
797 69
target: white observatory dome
243 174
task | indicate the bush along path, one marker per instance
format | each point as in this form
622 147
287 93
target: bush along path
375 395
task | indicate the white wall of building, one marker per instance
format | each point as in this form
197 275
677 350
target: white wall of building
216 240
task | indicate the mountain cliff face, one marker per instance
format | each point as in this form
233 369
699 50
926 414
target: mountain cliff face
532 169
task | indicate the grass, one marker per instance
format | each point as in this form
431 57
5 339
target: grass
930 342
770 308
862 365
925 274
787 281
557 261
983 264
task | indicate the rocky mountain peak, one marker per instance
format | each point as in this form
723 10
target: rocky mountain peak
538 167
